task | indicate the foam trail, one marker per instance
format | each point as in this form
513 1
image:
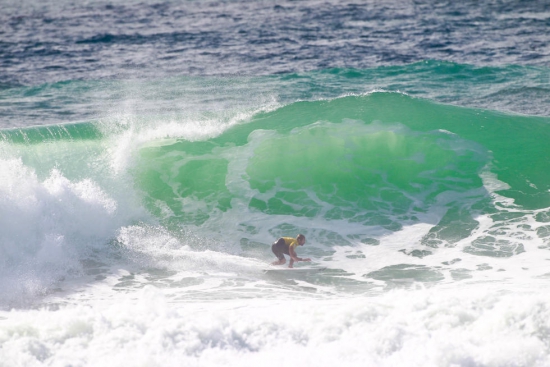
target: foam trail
430 329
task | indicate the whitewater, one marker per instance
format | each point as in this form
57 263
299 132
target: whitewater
151 152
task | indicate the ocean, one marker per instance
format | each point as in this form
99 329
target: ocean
152 151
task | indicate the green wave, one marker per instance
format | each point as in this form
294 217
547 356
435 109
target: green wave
363 158
380 160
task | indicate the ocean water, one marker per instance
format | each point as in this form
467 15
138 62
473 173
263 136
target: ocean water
151 152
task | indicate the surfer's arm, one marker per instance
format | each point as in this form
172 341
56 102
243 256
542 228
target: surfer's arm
293 255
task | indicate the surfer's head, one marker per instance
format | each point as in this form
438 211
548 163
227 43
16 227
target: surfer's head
301 239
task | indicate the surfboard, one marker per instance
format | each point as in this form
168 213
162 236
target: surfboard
287 270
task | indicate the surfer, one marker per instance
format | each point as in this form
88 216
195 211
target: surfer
287 245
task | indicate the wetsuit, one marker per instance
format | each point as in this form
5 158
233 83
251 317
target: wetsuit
282 246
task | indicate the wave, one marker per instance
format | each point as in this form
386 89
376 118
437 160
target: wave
383 172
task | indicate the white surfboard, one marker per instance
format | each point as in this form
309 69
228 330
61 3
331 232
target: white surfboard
288 271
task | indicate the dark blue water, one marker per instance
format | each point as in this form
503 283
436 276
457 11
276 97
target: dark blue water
70 61
68 40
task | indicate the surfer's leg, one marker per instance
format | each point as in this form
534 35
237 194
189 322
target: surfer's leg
277 250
